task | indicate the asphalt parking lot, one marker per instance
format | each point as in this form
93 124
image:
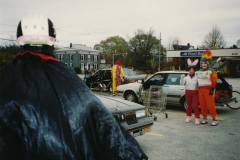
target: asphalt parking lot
173 139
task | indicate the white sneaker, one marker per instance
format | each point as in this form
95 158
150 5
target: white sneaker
197 121
214 123
188 119
204 121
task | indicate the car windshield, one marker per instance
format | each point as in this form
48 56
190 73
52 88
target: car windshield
99 74
156 79
129 72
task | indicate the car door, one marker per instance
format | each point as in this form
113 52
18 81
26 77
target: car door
97 76
173 88
156 79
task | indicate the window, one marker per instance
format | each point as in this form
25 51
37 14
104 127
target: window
108 75
99 74
70 65
89 57
173 79
95 66
95 58
70 57
157 79
82 57
82 66
60 57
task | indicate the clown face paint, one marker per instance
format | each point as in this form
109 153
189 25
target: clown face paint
204 66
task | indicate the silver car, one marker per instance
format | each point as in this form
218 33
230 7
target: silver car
170 80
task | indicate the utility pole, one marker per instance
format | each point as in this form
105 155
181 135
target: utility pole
116 55
159 52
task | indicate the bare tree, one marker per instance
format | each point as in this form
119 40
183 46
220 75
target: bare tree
173 41
144 49
214 39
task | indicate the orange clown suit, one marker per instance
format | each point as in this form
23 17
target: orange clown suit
206 100
117 73
207 80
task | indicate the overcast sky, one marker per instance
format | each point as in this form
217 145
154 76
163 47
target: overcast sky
90 21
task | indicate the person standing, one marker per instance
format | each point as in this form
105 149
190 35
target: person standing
191 92
48 112
117 76
92 71
207 80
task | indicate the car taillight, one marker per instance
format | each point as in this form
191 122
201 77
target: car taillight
132 81
230 91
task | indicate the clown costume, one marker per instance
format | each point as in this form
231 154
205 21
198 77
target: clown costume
117 73
207 80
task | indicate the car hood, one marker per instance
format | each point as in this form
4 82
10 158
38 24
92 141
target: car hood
130 86
119 104
136 77
223 61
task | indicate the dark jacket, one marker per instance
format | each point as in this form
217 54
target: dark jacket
48 112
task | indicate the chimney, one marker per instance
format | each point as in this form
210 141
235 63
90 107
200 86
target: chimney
70 45
188 44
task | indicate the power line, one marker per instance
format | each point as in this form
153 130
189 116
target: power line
8 39
8 24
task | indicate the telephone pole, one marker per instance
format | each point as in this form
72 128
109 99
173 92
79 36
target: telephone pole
159 53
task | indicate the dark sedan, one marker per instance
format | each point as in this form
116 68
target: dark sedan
104 76
132 116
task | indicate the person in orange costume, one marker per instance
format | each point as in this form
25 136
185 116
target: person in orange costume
117 72
207 80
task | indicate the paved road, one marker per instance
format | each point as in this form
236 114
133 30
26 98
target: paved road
173 139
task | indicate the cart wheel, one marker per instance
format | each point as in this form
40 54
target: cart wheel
155 118
151 114
166 115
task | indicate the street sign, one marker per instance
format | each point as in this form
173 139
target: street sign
191 53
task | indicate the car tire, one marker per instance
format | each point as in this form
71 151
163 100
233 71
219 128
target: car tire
184 103
130 96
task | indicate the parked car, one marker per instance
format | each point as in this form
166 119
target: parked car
132 116
175 91
104 76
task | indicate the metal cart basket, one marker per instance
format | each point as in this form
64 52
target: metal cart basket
155 98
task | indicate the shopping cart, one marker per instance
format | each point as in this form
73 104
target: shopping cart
155 98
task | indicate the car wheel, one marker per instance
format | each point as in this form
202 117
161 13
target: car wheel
184 103
130 96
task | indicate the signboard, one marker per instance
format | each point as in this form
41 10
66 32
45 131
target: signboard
191 53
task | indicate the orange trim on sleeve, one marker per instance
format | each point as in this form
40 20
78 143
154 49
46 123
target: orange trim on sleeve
213 77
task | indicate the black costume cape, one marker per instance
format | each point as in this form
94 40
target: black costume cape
47 112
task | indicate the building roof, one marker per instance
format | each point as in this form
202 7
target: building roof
79 47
